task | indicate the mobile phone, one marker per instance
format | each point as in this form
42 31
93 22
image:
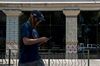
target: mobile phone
49 38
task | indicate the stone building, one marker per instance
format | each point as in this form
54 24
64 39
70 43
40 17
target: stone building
13 9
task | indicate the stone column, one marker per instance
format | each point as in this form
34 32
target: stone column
71 32
12 28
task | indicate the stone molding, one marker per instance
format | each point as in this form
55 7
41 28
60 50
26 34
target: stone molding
10 12
71 42
49 6
72 11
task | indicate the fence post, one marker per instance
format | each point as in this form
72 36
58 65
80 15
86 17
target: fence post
49 57
88 57
9 58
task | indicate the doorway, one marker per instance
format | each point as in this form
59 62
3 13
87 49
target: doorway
89 32
2 34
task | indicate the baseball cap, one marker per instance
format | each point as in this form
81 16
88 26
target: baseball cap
38 15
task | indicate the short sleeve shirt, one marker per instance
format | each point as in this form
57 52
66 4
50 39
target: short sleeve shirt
28 53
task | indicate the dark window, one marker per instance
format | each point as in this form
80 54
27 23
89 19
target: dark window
88 32
2 34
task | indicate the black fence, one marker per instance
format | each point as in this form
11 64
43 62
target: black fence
50 58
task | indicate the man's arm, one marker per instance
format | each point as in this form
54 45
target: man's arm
28 41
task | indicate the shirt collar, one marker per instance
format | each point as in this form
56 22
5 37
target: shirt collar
28 22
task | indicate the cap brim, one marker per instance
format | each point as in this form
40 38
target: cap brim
42 19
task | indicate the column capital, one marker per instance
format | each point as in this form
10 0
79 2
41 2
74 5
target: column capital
71 11
12 12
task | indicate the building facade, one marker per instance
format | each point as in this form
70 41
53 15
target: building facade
70 9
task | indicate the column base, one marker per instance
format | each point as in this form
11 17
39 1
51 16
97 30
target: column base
71 51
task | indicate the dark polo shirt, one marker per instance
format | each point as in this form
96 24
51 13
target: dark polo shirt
28 53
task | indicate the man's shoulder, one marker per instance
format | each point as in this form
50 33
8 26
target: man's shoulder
25 25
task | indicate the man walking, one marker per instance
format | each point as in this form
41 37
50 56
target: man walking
28 55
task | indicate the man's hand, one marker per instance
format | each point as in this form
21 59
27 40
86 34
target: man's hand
43 40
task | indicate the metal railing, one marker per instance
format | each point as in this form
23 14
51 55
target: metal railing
50 58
